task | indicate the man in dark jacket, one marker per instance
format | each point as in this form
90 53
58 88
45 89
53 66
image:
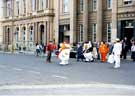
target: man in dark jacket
125 48
79 52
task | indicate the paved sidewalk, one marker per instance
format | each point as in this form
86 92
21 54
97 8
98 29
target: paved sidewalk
24 53
18 52
24 75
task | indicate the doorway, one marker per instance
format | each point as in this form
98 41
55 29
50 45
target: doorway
7 36
128 32
64 32
126 29
42 37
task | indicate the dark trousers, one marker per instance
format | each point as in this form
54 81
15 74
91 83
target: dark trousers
80 56
133 56
124 53
49 55
37 52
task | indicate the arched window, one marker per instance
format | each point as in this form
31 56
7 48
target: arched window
24 33
31 34
17 34
41 4
65 6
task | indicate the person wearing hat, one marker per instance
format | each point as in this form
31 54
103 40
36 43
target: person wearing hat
117 52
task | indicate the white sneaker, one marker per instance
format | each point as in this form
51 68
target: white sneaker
116 67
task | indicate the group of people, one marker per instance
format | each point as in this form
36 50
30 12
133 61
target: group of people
63 54
119 48
40 49
88 51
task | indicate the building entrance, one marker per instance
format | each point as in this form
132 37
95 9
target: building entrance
64 32
42 36
128 32
127 29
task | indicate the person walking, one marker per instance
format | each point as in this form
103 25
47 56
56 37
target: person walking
133 51
117 52
125 48
50 48
79 52
103 50
37 49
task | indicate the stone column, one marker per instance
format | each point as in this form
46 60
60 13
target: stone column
1 17
51 29
4 35
36 5
114 20
45 33
19 34
99 20
35 32
28 32
49 4
56 20
48 31
28 8
73 21
134 29
39 33
120 27
27 35
85 20
20 8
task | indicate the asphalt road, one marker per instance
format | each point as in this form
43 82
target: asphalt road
30 75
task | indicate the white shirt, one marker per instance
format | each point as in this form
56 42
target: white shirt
133 48
37 47
117 48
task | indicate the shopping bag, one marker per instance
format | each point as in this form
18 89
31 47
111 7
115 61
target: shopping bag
111 58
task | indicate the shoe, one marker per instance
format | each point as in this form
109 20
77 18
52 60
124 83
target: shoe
92 61
116 67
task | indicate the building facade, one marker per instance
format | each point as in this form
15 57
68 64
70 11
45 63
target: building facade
26 22
95 20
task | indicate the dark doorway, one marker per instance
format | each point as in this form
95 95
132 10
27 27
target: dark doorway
126 29
42 37
61 33
128 32
7 37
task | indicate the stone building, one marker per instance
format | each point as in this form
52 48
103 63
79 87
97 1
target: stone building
95 20
26 22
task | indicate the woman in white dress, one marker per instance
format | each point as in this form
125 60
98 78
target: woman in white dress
64 53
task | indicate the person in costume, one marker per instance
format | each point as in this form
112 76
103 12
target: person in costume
103 50
88 48
117 52
64 53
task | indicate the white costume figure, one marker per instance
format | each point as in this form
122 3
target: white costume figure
64 53
117 52
88 55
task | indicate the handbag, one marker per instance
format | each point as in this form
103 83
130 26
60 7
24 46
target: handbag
111 58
